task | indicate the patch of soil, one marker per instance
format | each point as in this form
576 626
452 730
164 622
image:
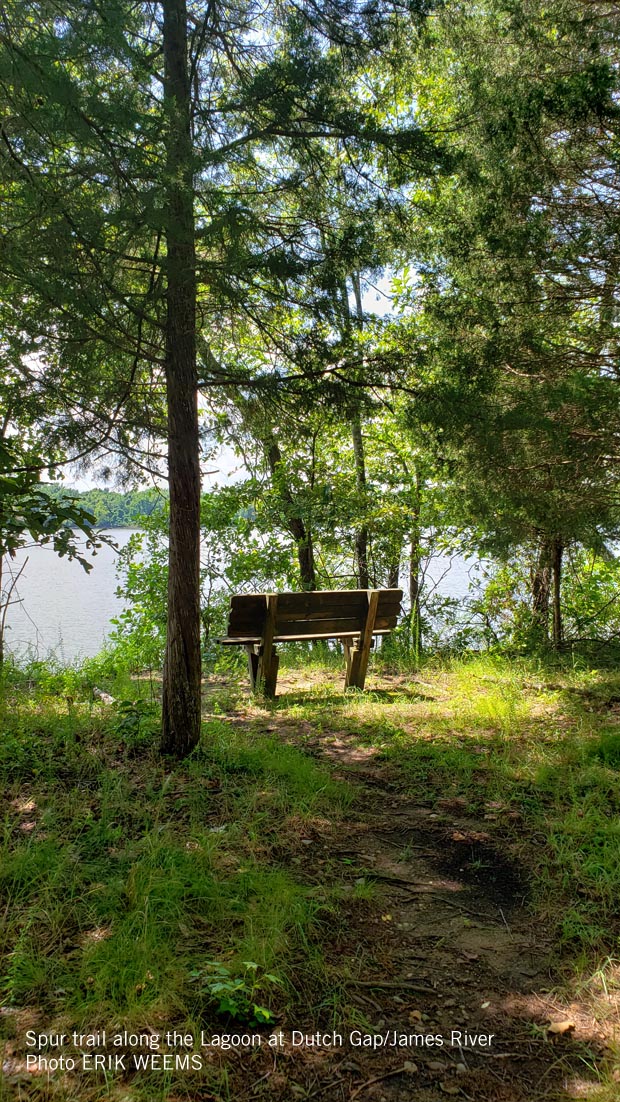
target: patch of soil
490 872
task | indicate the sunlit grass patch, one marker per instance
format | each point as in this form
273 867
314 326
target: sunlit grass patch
540 765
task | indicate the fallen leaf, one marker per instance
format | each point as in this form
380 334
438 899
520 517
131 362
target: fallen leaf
560 1027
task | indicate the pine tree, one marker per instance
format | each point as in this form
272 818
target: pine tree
512 325
153 162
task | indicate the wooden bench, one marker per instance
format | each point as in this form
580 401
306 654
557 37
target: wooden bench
258 621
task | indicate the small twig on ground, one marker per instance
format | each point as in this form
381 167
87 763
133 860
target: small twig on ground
395 984
370 1002
411 885
421 889
390 839
325 1086
263 1077
466 910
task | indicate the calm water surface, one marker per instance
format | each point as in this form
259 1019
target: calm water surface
63 611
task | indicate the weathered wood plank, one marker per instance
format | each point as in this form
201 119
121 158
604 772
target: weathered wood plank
314 599
249 626
347 603
353 661
335 627
249 602
389 601
252 665
271 676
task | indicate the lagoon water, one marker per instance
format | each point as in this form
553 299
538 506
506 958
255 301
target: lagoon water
65 613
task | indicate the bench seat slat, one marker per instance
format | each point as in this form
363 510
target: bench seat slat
249 640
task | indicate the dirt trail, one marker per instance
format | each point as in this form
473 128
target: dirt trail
451 953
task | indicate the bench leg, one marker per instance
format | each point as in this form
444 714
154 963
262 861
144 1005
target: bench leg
352 658
362 665
357 657
252 664
267 674
271 675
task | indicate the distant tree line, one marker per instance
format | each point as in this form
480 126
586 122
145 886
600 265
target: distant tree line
111 508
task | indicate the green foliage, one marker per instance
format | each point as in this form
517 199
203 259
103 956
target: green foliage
591 595
140 629
235 995
28 513
510 324
137 723
500 615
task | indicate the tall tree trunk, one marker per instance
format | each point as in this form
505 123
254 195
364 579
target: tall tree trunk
414 568
361 535
414 595
556 566
182 672
2 613
393 575
540 582
361 532
300 532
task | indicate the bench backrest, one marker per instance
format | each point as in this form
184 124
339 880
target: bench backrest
327 614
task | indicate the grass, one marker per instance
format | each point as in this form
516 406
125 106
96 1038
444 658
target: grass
128 884
137 894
